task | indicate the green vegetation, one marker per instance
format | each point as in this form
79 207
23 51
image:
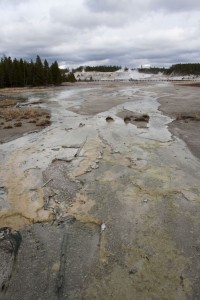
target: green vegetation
79 69
19 73
97 69
152 70
177 69
102 68
185 69
70 77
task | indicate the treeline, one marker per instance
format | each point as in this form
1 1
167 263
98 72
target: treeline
152 70
97 69
185 69
19 73
177 69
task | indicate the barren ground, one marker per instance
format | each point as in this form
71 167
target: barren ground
104 202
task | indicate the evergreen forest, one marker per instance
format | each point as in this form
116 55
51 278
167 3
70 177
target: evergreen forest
20 73
176 69
97 69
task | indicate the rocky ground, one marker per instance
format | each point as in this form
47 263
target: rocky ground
104 202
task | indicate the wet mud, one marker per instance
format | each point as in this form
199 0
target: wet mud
108 210
183 107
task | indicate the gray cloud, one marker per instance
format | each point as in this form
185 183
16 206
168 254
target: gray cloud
108 31
175 6
132 6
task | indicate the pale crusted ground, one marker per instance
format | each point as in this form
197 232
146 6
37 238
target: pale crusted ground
106 210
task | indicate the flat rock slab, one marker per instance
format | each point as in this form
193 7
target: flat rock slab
53 261
9 245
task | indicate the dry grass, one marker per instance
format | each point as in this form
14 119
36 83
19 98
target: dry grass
8 126
17 119
18 124
43 122
127 119
142 118
7 102
187 117
22 113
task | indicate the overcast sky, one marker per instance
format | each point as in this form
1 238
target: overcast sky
92 32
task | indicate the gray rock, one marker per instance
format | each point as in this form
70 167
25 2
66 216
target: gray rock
9 245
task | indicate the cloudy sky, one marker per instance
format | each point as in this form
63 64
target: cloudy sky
92 32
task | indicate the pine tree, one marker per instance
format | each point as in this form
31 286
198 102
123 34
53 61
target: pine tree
55 73
38 72
71 78
1 76
8 71
47 73
22 73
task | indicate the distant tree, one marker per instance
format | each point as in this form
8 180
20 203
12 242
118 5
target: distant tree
185 69
17 73
70 77
102 68
151 70
1 76
47 73
8 71
38 72
79 69
55 73
30 73
22 72
63 74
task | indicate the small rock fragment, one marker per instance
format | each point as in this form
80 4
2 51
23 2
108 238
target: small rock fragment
103 226
68 129
70 219
95 166
132 271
